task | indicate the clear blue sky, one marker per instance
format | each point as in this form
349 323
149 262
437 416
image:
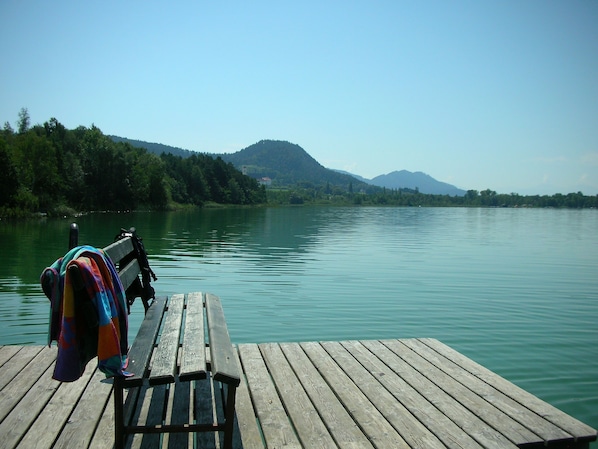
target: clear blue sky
480 94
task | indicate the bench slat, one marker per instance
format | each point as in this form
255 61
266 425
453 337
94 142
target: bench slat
224 364
193 363
119 249
129 273
142 347
165 359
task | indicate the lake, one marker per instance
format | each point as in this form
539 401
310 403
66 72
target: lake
514 289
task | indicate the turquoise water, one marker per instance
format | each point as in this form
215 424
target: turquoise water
514 289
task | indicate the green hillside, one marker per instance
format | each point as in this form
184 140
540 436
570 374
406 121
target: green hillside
288 164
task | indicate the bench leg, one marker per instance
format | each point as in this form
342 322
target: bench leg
119 418
229 417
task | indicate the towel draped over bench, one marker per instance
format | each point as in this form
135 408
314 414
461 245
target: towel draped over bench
88 320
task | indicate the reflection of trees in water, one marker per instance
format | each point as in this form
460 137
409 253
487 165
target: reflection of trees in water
272 234
27 247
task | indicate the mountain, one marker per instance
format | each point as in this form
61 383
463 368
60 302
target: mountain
286 163
418 180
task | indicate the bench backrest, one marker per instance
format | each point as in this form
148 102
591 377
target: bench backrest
124 253
122 250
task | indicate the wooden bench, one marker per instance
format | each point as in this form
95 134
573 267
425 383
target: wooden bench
171 346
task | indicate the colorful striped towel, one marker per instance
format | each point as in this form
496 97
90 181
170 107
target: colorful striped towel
87 322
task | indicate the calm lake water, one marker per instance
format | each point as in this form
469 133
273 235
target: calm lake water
514 289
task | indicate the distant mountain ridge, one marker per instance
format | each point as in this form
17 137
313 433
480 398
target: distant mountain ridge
286 164
405 179
418 180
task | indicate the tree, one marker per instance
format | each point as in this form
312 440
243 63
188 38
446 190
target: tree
24 121
488 198
106 173
7 130
235 192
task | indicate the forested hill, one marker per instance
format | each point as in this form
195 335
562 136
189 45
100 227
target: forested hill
48 168
287 164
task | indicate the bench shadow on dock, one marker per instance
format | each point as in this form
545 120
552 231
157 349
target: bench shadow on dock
413 393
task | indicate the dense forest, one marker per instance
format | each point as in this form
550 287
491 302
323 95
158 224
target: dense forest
50 169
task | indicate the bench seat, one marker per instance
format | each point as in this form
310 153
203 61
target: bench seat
182 338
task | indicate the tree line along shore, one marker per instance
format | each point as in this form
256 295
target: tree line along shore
55 171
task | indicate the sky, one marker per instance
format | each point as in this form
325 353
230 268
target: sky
480 94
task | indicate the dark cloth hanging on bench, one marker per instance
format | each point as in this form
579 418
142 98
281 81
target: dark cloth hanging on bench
141 287
88 313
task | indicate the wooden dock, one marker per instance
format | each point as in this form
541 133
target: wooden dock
414 393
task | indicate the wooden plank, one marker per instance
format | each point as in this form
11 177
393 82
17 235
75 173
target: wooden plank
219 392
18 362
143 346
21 417
149 413
6 353
544 429
224 364
164 364
248 428
131 399
566 422
307 422
129 273
80 428
487 411
339 422
419 406
103 437
50 422
193 361
489 414
378 430
273 421
408 426
12 393
179 411
463 417
119 249
205 411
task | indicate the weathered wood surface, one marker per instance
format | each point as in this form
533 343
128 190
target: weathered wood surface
164 363
141 352
193 360
179 356
224 365
414 393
